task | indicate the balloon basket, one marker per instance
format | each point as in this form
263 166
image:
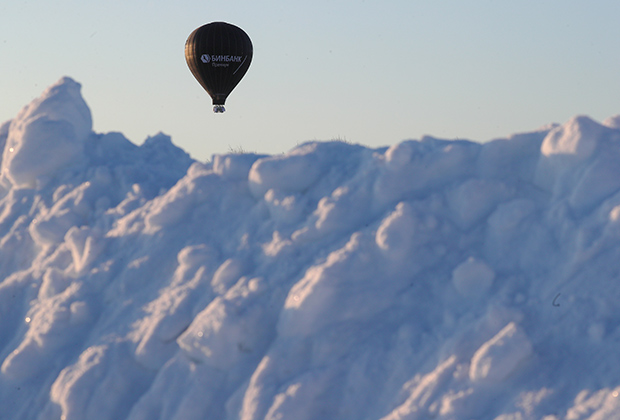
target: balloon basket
218 109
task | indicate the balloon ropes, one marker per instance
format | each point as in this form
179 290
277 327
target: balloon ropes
218 55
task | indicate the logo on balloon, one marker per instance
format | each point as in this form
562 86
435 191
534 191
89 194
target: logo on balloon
205 58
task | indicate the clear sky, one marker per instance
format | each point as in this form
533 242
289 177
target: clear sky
373 72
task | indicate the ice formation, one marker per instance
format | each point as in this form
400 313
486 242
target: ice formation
431 279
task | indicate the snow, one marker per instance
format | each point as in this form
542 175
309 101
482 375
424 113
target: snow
473 278
496 359
429 279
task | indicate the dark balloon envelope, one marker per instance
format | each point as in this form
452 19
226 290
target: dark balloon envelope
218 55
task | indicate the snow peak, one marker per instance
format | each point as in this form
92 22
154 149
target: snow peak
208 58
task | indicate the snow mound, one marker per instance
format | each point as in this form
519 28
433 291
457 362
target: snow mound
500 356
473 278
46 135
430 279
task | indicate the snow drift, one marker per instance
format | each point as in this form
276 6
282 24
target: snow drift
431 279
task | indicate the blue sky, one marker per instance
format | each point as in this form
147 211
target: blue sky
370 72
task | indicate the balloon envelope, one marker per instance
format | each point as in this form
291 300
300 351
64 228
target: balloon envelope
218 55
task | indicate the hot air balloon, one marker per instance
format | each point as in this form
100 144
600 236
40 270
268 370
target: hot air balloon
218 55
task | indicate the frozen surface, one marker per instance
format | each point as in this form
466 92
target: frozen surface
431 279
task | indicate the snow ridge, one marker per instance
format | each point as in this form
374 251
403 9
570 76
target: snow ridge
431 279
